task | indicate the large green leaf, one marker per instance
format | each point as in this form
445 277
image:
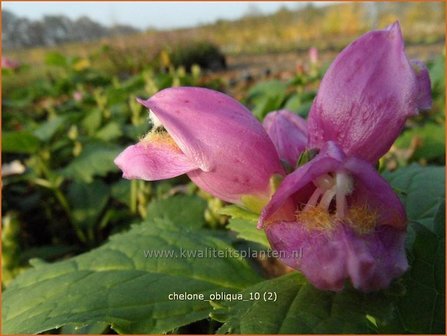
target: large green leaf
289 305
95 160
181 209
122 285
422 308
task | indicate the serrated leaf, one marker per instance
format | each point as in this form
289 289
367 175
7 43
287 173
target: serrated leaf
299 308
20 142
96 159
422 308
421 190
116 284
181 209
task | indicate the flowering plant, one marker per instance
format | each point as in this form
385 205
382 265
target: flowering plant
344 218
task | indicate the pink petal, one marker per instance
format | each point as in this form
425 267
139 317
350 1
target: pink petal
366 95
373 190
329 159
221 137
369 261
153 161
288 133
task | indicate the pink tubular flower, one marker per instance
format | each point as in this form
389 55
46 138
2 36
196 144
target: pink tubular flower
288 133
209 136
367 94
335 219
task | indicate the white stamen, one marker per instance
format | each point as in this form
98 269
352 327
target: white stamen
327 199
313 200
344 187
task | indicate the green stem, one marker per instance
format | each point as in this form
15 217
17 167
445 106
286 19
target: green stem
62 201
133 196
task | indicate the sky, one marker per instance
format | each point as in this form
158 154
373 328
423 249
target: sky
142 15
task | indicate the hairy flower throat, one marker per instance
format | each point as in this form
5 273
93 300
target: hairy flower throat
328 205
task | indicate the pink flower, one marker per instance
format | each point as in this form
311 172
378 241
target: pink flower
367 94
78 96
209 136
335 218
8 63
313 55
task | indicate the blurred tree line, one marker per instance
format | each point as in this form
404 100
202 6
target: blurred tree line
18 32
325 27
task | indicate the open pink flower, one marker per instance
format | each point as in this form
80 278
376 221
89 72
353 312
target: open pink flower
209 136
335 218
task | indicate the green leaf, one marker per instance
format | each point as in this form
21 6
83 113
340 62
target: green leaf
421 189
247 230
267 96
87 202
118 285
422 308
92 121
49 128
109 132
290 305
182 209
95 328
237 212
20 142
430 138
121 191
95 160
243 222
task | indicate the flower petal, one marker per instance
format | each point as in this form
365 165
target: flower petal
328 160
288 132
153 161
366 95
373 190
221 137
371 262
424 99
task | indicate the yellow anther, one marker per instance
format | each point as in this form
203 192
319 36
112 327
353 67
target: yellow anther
316 218
160 137
362 219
